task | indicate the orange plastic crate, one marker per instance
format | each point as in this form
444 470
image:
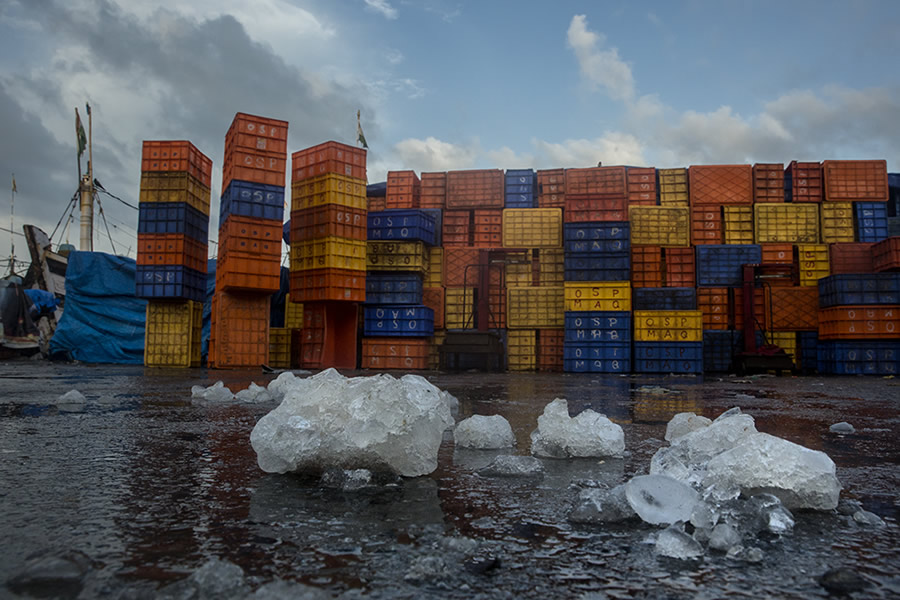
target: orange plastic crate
180 155
768 182
720 184
476 188
433 298
551 188
329 157
402 189
255 166
851 257
550 343
641 186
461 266
172 249
777 254
859 322
706 225
760 311
607 182
713 303
319 285
241 330
328 220
245 271
582 209
679 267
806 181
261 237
646 266
488 229
375 204
793 308
252 132
456 228
433 190
409 354
886 255
855 180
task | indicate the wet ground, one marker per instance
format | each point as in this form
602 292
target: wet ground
149 486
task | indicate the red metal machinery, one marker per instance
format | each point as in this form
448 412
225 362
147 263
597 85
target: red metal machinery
767 357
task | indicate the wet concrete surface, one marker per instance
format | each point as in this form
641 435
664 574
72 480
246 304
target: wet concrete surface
149 485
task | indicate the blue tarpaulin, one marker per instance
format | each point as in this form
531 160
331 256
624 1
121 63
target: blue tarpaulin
102 322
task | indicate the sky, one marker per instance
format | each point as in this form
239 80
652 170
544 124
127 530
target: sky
440 85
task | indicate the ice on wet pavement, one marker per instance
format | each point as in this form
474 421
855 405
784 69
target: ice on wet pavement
588 434
684 423
512 466
595 505
842 428
217 392
484 432
659 499
253 394
673 542
380 423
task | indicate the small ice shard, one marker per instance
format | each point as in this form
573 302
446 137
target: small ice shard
350 480
724 537
588 434
56 575
451 402
219 578
72 397
595 505
762 463
484 433
217 392
658 499
512 466
684 423
673 542
751 555
731 412
842 428
770 515
278 386
253 394
427 569
704 515
864 517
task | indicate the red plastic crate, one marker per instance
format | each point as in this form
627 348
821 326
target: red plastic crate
487 229
255 166
329 157
178 155
252 132
720 184
550 343
678 267
886 255
477 188
581 209
461 266
456 228
329 334
859 322
551 188
607 182
402 189
713 303
240 328
433 190
172 249
855 180
246 271
408 354
851 257
375 204
777 254
793 308
641 186
646 266
760 311
328 220
433 298
706 225
319 285
253 236
806 181
768 182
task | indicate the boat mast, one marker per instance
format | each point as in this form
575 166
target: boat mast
87 192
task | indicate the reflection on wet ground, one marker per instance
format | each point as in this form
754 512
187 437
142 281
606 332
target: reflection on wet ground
149 486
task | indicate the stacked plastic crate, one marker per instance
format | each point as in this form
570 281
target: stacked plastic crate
859 324
248 266
397 325
173 234
328 250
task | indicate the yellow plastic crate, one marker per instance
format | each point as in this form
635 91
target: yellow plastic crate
787 341
174 186
532 228
837 222
667 226
330 188
551 267
600 295
329 253
397 256
738 223
786 223
172 333
535 307
459 308
293 313
673 187
434 350
519 275
280 347
434 276
521 350
813 263
668 326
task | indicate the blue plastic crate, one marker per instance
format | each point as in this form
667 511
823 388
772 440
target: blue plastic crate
437 215
173 217
400 224
596 246
859 357
807 343
671 298
862 288
597 326
398 320
597 274
719 349
390 288
606 357
169 281
597 260
720 265
600 230
668 357
893 195
871 220
256 200
519 201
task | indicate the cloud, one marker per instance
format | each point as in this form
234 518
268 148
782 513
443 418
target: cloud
432 154
600 67
382 6
613 148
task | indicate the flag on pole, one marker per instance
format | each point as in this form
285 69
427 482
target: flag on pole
14 184
80 135
359 133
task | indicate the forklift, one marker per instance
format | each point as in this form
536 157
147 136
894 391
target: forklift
761 358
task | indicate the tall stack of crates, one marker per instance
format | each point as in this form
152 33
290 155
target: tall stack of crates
667 330
859 324
328 250
173 234
248 266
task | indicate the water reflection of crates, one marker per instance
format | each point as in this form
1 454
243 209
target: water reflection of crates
660 408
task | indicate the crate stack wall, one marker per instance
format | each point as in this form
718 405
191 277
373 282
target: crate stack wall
173 245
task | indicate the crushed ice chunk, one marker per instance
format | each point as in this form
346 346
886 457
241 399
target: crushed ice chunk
62 574
379 423
762 463
484 433
658 499
704 515
254 394
731 412
217 392
589 434
864 517
512 466
349 480
216 578
770 514
72 397
724 537
673 542
596 505
842 428
751 555
684 423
